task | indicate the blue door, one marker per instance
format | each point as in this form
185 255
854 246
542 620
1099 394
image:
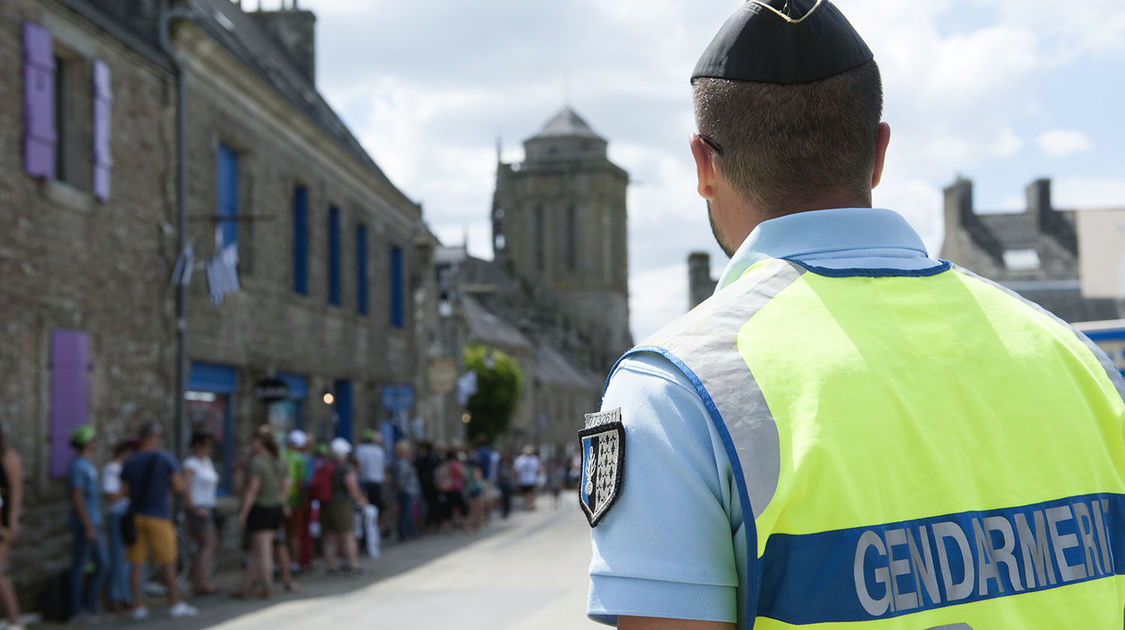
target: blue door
344 409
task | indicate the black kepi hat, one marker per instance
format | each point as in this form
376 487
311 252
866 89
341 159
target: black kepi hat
783 41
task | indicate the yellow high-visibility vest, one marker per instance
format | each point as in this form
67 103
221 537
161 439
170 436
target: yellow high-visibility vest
917 450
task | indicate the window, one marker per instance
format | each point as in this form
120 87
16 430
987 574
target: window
398 289
66 114
1021 259
572 237
361 269
334 256
226 190
540 238
301 240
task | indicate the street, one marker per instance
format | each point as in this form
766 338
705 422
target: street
526 572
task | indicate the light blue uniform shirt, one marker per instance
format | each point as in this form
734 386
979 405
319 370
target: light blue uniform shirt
673 545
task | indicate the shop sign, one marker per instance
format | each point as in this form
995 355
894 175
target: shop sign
398 397
443 375
271 390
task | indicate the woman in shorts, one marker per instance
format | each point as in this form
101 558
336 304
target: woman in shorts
11 503
203 483
262 511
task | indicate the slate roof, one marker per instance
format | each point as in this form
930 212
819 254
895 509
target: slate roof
488 328
552 368
567 123
135 22
1014 231
261 53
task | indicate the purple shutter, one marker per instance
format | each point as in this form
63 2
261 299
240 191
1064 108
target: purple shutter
103 96
38 102
70 393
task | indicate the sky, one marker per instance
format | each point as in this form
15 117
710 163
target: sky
999 91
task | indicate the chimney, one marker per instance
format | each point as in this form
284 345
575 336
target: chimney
700 283
958 214
295 30
1039 203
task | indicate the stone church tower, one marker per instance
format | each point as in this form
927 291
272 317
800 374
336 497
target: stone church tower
559 223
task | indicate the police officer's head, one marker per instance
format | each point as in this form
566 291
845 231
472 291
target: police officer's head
788 100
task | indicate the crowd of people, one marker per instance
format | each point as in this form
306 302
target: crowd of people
296 501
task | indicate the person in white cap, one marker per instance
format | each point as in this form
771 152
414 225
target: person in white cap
337 514
297 502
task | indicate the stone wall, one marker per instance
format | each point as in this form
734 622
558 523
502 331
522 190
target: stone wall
70 262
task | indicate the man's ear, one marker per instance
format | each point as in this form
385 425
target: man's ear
882 139
704 166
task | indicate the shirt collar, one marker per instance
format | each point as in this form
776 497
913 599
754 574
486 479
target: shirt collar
816 233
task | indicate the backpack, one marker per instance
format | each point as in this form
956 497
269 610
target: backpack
321 487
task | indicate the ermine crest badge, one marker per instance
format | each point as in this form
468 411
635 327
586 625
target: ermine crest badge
603 463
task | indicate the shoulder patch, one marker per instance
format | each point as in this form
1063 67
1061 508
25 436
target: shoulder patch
603 463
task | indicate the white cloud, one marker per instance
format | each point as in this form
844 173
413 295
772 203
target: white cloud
656 297
428 85
1074 191
1064 142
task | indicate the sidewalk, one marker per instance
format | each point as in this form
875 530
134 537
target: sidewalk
396 558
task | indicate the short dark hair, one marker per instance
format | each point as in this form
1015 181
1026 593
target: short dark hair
148 430
787 144
198 438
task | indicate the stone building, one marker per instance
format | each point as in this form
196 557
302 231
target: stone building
700 283
559 223
501 312
328 249
85 244
325 241
1033 252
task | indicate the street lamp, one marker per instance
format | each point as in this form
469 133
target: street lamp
328 398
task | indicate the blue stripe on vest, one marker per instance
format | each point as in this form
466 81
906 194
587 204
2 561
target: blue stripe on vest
900 568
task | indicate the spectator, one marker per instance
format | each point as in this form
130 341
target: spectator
556 476
372 461
118 576
474 489
506 480
262 513
488 460
528 468
11 506
296 522
150 476
337 517
406 481
203 483
449 480
85 525
426 462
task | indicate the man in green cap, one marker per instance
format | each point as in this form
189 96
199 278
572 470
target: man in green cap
85 525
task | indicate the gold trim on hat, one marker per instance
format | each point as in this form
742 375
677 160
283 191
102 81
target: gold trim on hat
786 17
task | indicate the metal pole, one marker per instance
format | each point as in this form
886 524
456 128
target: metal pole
181 218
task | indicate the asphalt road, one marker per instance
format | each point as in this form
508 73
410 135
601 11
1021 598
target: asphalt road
528 572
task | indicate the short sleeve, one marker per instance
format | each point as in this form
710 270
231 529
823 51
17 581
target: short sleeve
666 548
173 465
111 479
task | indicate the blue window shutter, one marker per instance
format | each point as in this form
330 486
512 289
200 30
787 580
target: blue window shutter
103 96
398 289
227 189
361 269
70 393
301 240
334 256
